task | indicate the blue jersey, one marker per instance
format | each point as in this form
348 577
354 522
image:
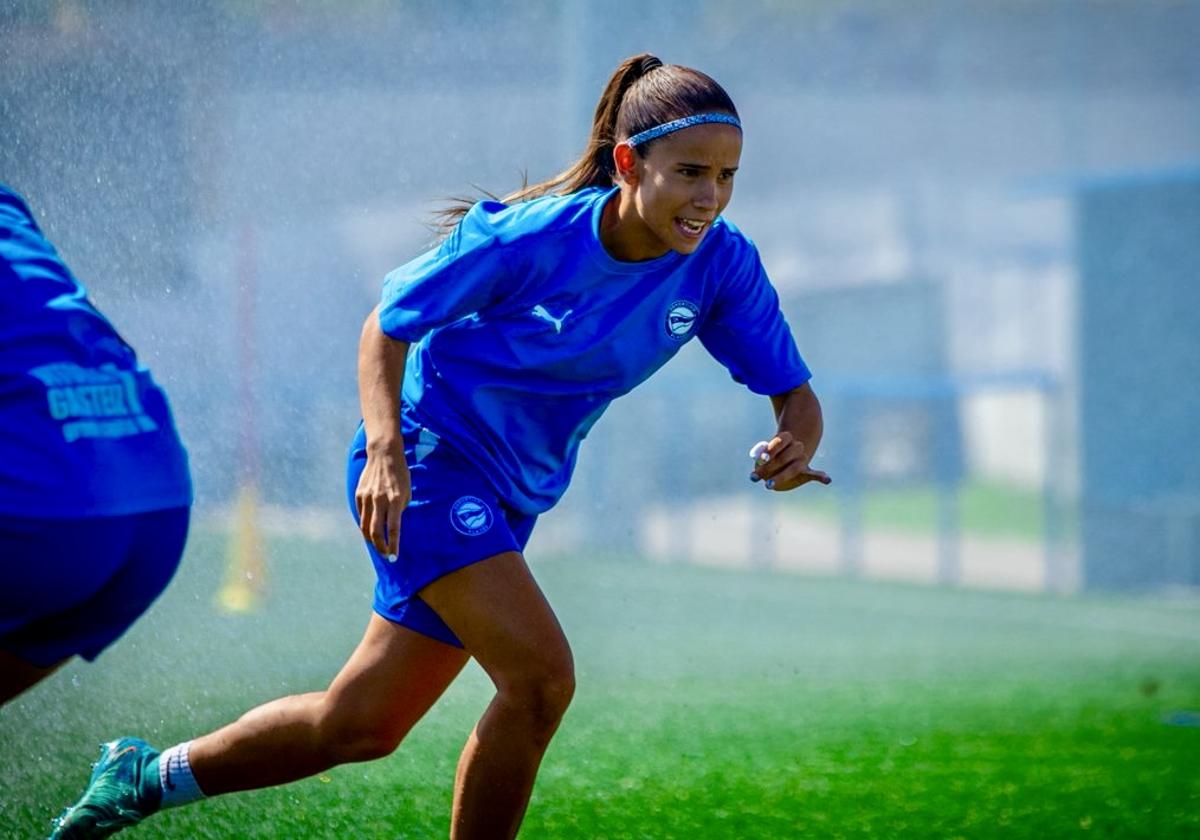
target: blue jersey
525 329
84 429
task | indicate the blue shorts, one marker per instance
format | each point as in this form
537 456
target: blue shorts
453 520
74 586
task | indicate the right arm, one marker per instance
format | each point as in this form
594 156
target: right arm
383 488
464 274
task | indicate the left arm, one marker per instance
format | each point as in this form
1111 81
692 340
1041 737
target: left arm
786 462
747 333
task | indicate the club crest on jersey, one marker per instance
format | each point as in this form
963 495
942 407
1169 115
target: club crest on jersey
471 516
681 319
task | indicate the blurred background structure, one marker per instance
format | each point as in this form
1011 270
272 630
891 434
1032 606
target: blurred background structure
983 219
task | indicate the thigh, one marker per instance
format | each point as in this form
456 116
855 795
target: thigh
503 619
16 675
393 677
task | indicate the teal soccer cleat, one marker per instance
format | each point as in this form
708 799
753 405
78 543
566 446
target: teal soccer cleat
122 791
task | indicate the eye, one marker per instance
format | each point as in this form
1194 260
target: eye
726 176
689 171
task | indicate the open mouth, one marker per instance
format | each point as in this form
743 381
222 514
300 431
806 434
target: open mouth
691 228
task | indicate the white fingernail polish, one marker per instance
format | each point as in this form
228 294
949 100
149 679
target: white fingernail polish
391 558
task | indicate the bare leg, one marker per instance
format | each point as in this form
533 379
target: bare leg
496 608
387 685
16 675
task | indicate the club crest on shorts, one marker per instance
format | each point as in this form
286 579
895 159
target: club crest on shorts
471 516
681 319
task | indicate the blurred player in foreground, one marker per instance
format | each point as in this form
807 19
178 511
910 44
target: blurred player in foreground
94 487
519 330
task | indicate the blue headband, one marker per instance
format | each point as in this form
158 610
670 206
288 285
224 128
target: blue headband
686 122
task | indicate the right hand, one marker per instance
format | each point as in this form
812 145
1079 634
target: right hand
384 490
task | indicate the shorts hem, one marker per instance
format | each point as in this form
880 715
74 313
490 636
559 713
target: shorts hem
386 612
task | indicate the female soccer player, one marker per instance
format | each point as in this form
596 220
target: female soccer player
94 485
527 321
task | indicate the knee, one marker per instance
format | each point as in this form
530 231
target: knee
540 698
348 736
364 745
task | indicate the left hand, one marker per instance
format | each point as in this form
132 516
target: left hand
785 465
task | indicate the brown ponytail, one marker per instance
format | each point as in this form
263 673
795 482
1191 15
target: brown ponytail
641 93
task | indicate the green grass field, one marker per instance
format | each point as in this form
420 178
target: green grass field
710 704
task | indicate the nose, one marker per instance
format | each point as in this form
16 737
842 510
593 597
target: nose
705 195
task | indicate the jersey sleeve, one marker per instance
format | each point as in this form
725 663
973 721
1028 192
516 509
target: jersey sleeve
31 270
24 250
463 275
746 331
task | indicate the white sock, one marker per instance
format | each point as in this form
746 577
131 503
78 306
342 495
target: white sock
175 775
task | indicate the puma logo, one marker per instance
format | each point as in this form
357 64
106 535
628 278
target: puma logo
540 311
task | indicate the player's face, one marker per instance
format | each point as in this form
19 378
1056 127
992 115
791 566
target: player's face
683 183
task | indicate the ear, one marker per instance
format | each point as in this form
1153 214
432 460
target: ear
625 159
